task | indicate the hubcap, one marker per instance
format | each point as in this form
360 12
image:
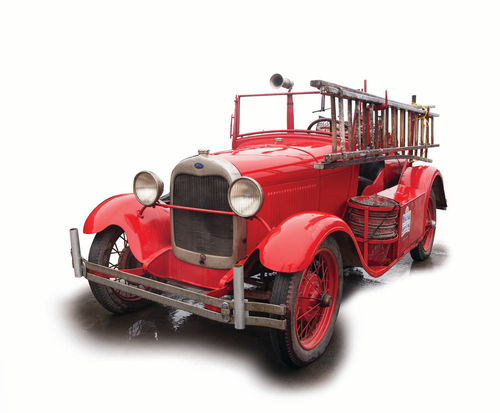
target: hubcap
326 300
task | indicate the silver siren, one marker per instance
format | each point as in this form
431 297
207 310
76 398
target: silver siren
278 81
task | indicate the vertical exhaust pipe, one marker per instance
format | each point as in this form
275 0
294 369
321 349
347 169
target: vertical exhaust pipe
76 254
239 297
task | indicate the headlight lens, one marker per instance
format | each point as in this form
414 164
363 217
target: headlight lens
148 188
245 197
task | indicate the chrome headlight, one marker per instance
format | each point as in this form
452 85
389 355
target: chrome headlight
148 188
245 197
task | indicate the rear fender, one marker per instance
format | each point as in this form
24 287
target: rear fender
426 178
291 246
146 235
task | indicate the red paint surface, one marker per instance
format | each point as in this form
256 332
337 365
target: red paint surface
292 244
146 235
421 178
166 265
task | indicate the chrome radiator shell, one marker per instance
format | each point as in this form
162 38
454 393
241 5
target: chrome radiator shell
204 166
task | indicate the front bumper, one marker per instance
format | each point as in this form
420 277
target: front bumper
234 311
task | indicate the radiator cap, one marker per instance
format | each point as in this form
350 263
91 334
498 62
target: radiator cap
203 152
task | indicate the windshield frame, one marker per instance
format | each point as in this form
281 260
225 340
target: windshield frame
235 119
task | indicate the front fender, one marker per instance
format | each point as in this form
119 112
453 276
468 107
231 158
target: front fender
291 246
146 235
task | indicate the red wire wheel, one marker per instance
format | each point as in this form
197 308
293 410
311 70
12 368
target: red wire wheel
110 248
424 248
121 257
316 299
312 298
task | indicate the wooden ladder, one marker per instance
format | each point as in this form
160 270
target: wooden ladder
377 128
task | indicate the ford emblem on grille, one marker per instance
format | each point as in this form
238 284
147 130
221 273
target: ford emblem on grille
198 165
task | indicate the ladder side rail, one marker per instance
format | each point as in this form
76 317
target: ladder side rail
358 161
377 152
368 98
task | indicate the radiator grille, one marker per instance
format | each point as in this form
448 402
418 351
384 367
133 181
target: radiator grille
202 232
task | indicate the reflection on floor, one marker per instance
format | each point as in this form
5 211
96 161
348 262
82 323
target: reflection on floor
162 327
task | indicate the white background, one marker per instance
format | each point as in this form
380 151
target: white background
92 92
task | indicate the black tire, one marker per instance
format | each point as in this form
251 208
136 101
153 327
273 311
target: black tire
103 246
424 248
286 344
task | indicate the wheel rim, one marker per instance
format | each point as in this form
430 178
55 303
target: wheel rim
430 224
120 257
316 299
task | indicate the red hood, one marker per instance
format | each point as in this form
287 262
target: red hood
267 160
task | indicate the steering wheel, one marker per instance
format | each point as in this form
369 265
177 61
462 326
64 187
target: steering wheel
314 122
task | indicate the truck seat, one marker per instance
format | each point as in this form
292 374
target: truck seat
368 172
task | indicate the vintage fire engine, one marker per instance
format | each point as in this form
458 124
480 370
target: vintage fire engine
260 235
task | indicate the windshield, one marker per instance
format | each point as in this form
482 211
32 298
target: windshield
268 113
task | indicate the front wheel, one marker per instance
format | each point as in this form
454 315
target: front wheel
110 249
312 298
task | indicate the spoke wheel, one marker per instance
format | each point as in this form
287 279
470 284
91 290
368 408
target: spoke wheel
312 298
316 299
424 248
120 258
110 248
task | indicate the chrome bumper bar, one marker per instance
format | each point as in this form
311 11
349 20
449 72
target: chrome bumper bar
232 311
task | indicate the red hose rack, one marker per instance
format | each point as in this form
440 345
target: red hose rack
374 222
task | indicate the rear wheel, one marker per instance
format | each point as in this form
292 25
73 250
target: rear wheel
312 299
110 249
424 248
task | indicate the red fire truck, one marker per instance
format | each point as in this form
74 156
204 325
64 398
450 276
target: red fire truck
261 234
